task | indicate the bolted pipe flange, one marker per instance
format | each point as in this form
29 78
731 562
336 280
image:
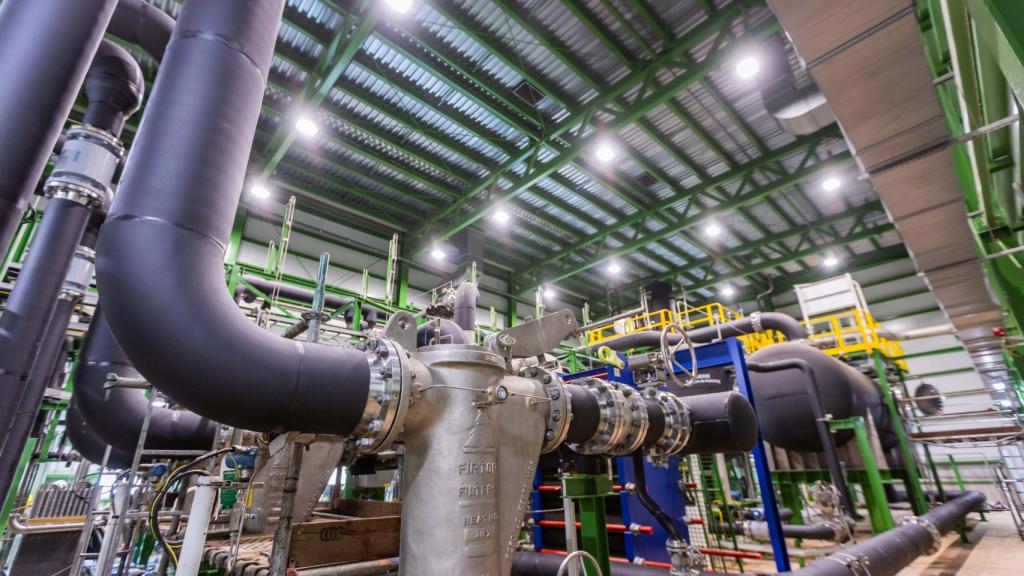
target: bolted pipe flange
677 425
560 413
85 170
388 399
635 422
932 531
622 422
611 406
79 276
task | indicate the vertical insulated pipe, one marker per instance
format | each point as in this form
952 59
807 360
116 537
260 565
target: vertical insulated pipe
26 317
45 50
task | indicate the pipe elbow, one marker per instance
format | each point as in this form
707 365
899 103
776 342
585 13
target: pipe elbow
114 86
142 24
784 323
466 296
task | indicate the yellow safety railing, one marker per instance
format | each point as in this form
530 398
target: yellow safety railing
839 334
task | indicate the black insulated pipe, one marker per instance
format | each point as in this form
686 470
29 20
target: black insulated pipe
723 422
783 323
451 333
27 315
174 211
114 87
169 429
45 50
540 564
286 291
720 422
88 444
139 22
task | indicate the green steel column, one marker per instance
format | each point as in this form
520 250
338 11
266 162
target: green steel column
960 481
913 480
403 284
589 492
235 240
874 492
511 312
17 249
12 490
792 499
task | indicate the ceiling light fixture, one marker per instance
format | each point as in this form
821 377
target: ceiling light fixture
259 191
830 261
501 216
605 152
727 291
614 268
712 230
306 126
747 67
400 6
831 184
549 293
437 254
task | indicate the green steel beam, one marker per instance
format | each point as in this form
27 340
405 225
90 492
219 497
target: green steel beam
598 29
335 59
708 29
742 199
863 235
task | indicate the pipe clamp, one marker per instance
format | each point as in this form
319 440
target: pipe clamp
932 531
857 565
86 167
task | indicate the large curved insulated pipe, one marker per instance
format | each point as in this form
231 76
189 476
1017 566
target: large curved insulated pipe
143 24
114 87
784 407
451 333
174 211
88 444
882 555
117 418
759 321
45 50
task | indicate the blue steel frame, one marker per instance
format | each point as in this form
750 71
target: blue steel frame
663 483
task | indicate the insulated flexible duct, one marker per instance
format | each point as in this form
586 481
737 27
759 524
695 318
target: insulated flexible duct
174 211
882 555
168 428
45 50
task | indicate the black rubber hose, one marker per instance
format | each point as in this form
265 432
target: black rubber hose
143 24
165 238
759 530
84 440
45 50
114 87
117 418
26 317
640 480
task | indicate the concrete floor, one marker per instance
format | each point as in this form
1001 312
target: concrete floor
994 550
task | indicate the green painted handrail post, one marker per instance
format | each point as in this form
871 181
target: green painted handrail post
913 479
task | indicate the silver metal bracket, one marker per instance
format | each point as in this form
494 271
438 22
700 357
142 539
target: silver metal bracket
536 337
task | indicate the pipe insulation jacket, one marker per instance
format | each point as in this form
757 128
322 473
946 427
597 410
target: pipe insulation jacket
88 444
143 24
174 211
45 50
114 86
169 429
466 296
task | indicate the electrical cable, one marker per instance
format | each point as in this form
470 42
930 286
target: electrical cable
177 474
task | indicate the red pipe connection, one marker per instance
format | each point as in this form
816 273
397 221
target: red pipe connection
558 488
611 527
